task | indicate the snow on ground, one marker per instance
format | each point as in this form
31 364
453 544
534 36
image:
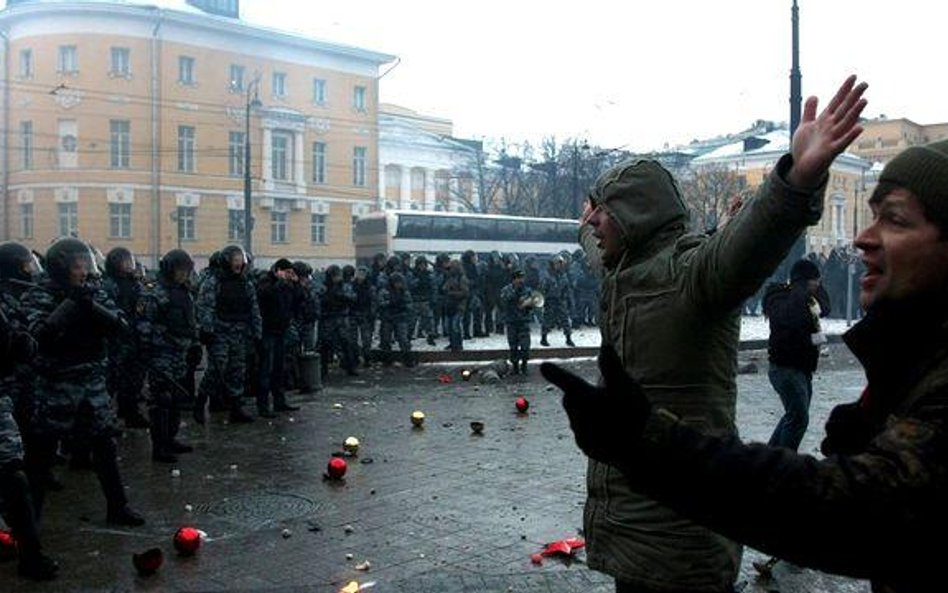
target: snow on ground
752 328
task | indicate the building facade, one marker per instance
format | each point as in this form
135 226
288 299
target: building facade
883 138
846 209
423 166
128 125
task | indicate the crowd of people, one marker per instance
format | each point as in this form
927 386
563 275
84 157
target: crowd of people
89 340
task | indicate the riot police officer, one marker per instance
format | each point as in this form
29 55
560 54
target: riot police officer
72 321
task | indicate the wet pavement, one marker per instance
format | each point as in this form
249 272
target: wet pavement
430 509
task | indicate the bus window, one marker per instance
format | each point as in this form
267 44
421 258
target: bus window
541 231
484 229
414 227
566 232
446 227
511 230
370 226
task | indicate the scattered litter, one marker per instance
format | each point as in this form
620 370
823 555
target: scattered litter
466 374
176 473
477 427
366 460
445 378
337 406
522 405
348 529
209 477
286 533
355 587
365 565
490 376
351 445
447 424
564 548
148 562
336 468
233 467
187 540
292 419
349 556
417 418
188 508
313 526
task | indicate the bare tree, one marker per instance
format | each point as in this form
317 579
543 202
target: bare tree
707 191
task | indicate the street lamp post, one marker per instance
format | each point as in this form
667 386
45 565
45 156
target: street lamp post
249 104
576 199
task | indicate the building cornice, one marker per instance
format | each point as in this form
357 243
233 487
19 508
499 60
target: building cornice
229 27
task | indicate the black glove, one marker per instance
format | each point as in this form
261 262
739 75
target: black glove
22 346
207 338
194 355
81 295
605 419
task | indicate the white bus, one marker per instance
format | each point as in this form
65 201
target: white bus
430 233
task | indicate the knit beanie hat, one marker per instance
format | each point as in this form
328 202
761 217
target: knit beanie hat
804 270
283 264
923 170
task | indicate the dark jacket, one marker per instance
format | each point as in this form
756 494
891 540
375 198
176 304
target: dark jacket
671 310
794 318
874 507
276 300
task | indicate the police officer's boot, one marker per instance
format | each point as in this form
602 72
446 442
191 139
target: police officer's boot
21 518
237 413
38 462
543 341
174 425
569 340
408 359
514 364
523 366
160 437
106 469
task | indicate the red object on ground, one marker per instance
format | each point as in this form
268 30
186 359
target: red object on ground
445 378
7 546
562 547
187 540
522 404
148 562
336 468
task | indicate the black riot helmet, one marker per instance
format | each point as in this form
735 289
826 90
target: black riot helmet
119 263
63 255
17 262
348 272
302 269
231 253
176 259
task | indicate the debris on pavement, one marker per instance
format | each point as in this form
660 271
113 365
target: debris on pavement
417 418
445 378
563 548
336 468
187 540
522 405
364 566
148 562
477 427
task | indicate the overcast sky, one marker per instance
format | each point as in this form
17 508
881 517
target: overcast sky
632 73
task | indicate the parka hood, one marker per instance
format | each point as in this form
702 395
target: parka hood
644 199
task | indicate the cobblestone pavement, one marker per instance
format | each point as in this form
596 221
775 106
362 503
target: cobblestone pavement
432 509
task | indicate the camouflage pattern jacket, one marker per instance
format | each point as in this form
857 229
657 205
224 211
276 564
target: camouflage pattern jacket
206 305
874 507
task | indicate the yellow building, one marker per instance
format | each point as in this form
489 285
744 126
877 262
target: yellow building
883 138
126 124
846 209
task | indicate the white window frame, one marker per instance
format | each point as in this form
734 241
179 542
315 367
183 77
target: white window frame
237 75
26 220
67 218
26 144
67 59
26 64
120 220
187 227
359 102
279 225
120 143
319 91
319 162
186 139
359 158
235 154
317 228
120 62
186 70
279 86
281 156
235 225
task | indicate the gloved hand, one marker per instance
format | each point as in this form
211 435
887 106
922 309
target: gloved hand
22 346
605 419
207 338
81 295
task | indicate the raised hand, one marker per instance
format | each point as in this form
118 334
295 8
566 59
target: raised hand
607 419
819 139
